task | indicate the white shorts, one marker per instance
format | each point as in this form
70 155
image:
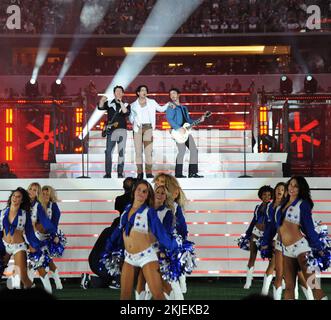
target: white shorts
41 236
257 232
295 249
141 258
278 246
13 248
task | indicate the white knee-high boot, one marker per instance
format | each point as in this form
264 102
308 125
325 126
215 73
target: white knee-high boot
266 284
57 280
307 292
16 281
31 273
46 283
296 290
141 295
249 278
148 295
177 290
283 284
277 292
167 297
10 284
182 283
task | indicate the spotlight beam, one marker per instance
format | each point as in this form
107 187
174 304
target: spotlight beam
45 44
164 20
91 16
47 39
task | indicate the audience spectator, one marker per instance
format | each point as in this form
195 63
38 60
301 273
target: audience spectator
128 17
5 172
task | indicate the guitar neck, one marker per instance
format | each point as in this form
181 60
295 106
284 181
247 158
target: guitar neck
194 123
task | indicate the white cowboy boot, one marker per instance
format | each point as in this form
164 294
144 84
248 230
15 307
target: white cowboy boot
141 295
277 292
249 278
177 290
16 281
307 292
57 280
266 284
296 290
182 282
46 283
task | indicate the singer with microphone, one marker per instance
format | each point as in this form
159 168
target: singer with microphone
115 129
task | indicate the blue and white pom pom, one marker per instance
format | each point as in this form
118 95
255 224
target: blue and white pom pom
317 262
57 249
179 262
243 243
187 257
323 233
112 262
170 267
266 253
39 259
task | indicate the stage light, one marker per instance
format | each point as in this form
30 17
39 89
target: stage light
285 85
310 84
32 88
58 89
154 34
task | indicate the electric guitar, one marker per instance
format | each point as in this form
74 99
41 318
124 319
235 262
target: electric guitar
182 137
108 127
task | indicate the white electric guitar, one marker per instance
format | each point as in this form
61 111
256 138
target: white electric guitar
180 137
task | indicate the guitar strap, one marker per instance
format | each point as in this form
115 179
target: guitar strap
114 116
184 115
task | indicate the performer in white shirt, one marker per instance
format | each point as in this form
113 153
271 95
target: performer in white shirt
143 118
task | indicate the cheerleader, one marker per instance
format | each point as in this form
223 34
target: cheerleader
160 179
43 227
137 233
180 226
15 226
255 231
276 261
56 245
299 238
163 204
267 243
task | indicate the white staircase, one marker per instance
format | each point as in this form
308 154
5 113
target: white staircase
221 155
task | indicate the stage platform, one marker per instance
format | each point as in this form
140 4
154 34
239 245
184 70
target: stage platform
217 213
221 155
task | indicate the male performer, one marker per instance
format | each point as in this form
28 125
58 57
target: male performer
117 111
142 117
177 115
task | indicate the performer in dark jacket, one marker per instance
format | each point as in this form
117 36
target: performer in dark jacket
117 111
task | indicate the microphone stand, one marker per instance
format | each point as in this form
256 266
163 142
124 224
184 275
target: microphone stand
245 160
87 147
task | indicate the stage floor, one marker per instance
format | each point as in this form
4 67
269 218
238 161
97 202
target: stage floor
198 289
